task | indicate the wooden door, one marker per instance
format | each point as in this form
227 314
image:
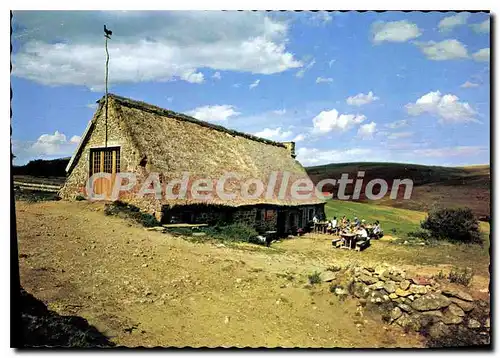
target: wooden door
104 160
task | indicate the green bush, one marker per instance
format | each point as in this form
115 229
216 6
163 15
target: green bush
147 220
454 225
233 232
80 198
314 278
130 211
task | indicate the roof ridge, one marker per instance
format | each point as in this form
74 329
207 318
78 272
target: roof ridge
141 105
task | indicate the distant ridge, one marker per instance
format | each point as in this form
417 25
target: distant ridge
434 186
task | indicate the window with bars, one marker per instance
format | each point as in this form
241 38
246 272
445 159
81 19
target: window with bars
104 160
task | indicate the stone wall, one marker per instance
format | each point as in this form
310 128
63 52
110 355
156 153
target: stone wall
245 216
75 184
442 311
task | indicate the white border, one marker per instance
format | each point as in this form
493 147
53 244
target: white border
188 4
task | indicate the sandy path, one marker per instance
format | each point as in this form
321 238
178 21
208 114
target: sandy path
178 293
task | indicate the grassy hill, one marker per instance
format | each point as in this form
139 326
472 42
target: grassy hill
433 186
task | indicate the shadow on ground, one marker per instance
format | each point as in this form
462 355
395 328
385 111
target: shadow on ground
41 327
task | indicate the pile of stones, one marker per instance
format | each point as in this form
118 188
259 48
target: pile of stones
436 308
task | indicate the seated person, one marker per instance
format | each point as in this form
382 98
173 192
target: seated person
315 219
362 233
329 228
377 231
334 224
356 221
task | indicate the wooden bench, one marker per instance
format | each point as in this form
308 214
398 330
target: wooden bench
361 245
336 243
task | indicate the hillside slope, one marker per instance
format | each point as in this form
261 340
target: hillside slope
433 186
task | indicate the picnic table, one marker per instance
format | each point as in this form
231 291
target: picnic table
350 240
320 227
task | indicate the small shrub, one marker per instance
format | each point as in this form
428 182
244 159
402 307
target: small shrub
130 211
80 198
461 276
454 225
394 231
314 278
233 232
147 220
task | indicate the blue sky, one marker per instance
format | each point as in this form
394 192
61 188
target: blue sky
394 86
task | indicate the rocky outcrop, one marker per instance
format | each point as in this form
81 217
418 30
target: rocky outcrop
443 312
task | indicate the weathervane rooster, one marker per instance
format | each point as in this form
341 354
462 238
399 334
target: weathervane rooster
107 32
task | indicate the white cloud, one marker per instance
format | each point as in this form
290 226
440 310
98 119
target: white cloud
321 18
254 84
397 124
314 156
299 138
279 112
388 153
75 139
394 31
276 134
236 85
300 73
449 151
469 84
444 50
399 135
448 23
447 108
361 99
214 113
216 76
92 105
482 27
192 77
482 55
328 121
46 146
148 46
49 144
331 62
324 80
366 131
170 99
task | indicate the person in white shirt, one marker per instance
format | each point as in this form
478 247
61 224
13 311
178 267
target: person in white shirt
362 232
334 224
377 230
315 219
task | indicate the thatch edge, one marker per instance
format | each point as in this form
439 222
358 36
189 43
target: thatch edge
143 106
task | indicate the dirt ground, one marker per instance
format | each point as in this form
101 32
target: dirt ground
144 288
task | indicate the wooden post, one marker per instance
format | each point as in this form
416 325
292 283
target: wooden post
106 93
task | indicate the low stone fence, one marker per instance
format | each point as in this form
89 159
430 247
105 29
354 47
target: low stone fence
444 312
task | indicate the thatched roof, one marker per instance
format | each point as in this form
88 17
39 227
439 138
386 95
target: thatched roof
175 143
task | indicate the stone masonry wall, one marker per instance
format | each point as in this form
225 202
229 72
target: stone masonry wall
129 162
245 216
445 313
